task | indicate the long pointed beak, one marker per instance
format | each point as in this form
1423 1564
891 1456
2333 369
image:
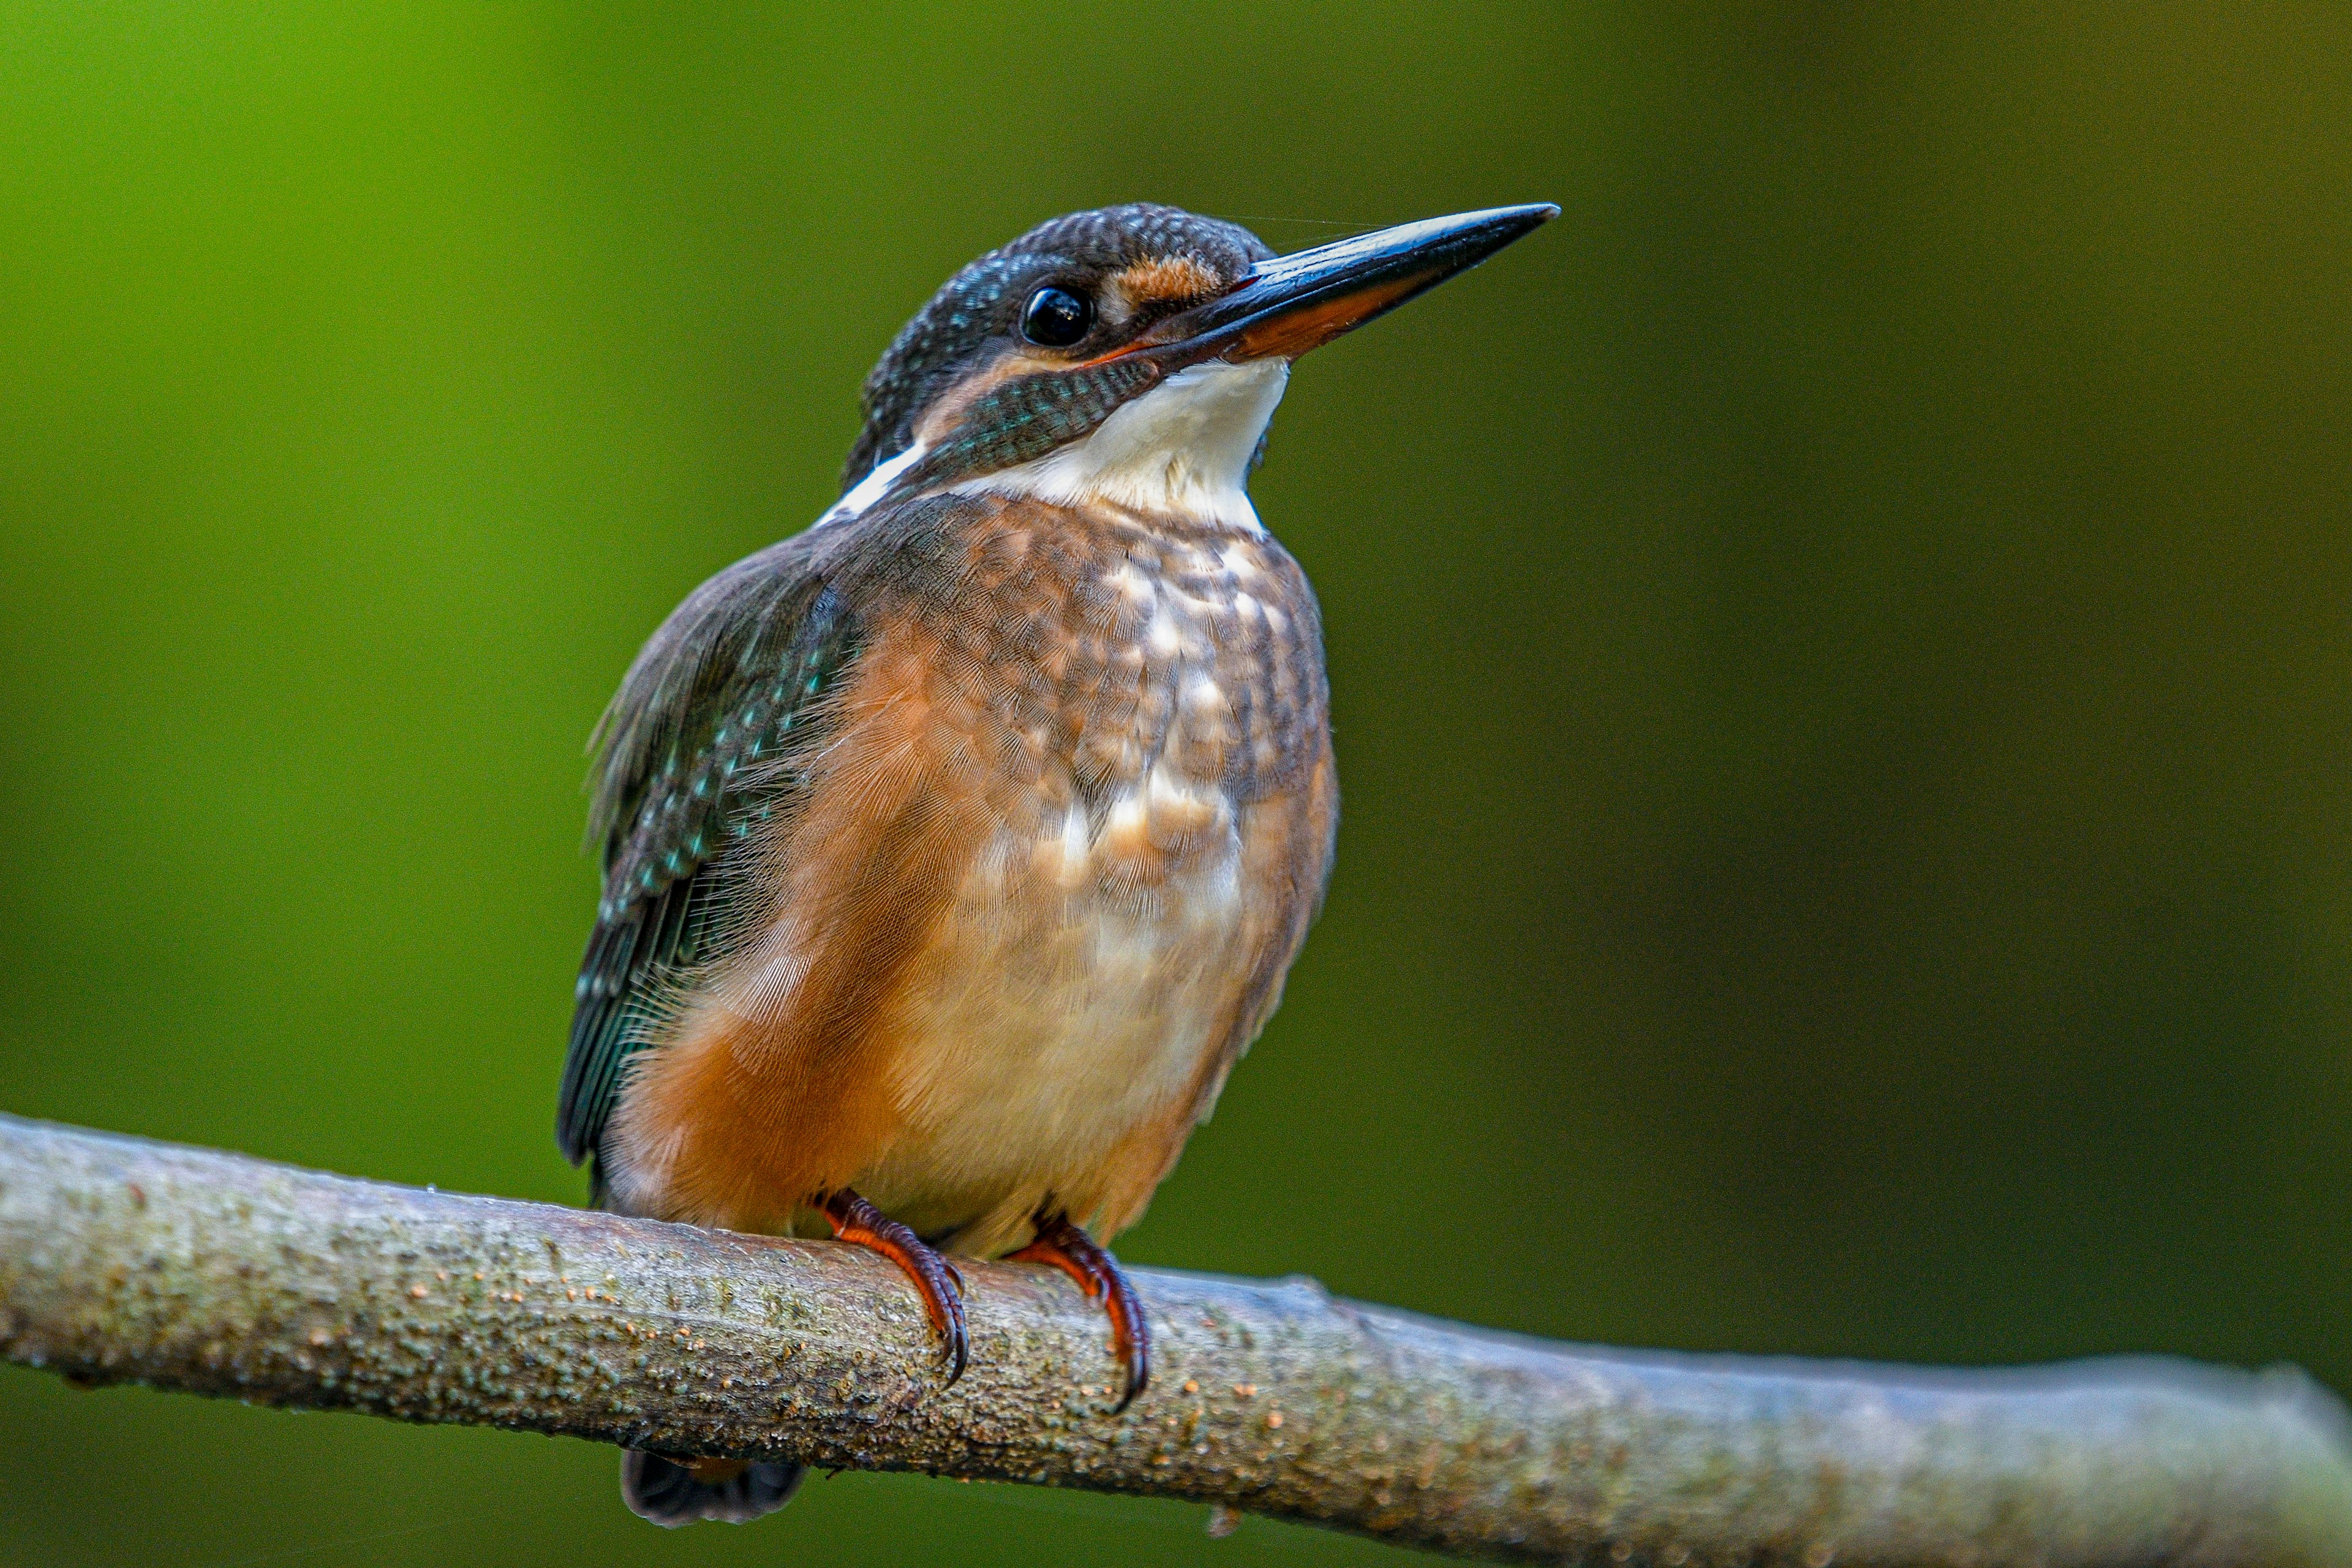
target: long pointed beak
1293 303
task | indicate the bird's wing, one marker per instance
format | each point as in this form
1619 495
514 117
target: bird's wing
694 758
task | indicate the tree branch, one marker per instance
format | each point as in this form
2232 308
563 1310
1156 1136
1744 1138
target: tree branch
122 1261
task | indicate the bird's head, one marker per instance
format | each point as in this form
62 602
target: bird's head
1132 355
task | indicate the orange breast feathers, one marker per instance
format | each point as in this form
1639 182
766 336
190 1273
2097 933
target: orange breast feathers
1071 822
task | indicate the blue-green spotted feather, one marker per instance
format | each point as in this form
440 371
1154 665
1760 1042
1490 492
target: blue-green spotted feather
694 757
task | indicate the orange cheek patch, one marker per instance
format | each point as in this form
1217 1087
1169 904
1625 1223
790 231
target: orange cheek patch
1166 277
952 405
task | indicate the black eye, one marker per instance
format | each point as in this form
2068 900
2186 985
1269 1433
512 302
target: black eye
1056 318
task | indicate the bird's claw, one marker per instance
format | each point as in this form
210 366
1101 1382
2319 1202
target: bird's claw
1063 1246
936 1280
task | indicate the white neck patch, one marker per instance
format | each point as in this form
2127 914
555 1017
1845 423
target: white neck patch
1184 448
869 488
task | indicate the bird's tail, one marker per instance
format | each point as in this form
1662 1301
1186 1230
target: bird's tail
671 1492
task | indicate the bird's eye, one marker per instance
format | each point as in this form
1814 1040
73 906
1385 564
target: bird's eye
1056 318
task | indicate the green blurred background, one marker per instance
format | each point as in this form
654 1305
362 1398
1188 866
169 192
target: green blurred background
1840 651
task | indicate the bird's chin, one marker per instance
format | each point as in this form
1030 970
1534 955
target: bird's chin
1182 449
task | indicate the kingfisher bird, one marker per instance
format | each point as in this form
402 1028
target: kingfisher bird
955 847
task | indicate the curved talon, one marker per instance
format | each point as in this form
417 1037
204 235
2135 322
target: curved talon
936 1280
1074 1253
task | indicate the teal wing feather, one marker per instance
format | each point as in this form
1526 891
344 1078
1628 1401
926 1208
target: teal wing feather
693 760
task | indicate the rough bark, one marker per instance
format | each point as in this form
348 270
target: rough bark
213 1273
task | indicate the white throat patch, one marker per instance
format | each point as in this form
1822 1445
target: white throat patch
1184 448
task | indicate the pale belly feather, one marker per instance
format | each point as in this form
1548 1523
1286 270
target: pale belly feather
1058 1024
1092 962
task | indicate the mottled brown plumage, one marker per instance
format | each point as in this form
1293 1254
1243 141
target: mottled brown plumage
1065 821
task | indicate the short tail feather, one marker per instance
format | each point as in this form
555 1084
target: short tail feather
671 1492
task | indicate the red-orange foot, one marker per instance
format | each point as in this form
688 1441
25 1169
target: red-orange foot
855 1220
1073 1252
